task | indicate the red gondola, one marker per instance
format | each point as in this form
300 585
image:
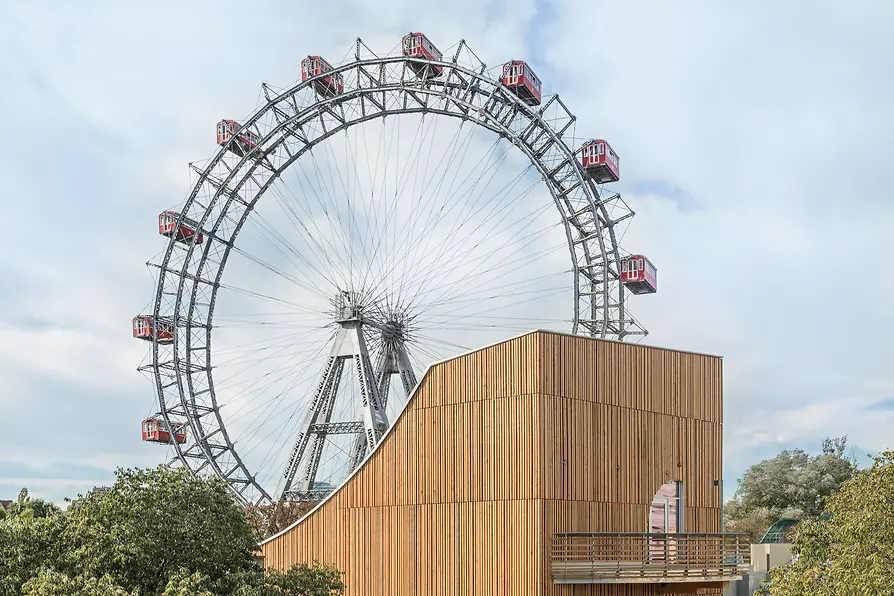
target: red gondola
521 80
156 431
417 45
246 140
144 328
639 275
327 85
601 161
186 233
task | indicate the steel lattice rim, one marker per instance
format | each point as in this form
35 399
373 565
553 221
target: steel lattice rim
184 383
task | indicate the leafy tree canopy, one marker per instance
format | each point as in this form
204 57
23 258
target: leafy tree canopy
155 532
792 484
26 506
851 551
272 519
51 583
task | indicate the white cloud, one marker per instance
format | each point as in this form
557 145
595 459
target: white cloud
771 121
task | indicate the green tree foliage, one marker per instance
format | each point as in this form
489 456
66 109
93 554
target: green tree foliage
152 523
27 543
272 519
851 552
51 583
792 484
306 580
25 506
156 532
184 583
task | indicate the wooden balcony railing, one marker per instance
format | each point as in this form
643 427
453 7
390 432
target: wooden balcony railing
600 558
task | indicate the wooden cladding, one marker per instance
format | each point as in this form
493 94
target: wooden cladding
501 448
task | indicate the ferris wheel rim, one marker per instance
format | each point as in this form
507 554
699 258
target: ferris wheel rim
608 248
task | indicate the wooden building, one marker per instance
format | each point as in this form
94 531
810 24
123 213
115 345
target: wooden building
501 452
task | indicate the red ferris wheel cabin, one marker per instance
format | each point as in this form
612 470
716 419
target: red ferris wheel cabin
325 84
246 140
417 45
521 80
156 431
601 161
187 231
144 327
639 275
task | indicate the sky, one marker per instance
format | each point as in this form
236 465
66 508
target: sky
755 149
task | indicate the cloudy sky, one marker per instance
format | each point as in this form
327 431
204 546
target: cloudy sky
754 144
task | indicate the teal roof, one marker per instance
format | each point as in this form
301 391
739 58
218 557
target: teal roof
777 532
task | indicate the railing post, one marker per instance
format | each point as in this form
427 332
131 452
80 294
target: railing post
618 562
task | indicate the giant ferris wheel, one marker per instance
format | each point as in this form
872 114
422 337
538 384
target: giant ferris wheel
376 216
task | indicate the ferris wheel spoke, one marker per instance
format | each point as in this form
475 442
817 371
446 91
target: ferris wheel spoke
462 257
481 292
433 218
454 289
334 236
489 262
475 270
352 231
422 201
524 297
267 409
460 240
277 240
299 308
401 236
390 201
436 230
224 384
261 349
436 216
315 259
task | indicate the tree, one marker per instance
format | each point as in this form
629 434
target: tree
792 484
25 506
51 583
158 532
184 583
153 523
272 519
850 551
27 544
307 580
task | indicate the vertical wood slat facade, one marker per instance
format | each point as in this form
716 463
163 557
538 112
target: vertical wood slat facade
502 447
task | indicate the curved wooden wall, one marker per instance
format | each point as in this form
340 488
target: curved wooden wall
500 448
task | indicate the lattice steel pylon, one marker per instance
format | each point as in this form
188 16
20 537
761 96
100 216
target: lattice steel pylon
349 343
393 360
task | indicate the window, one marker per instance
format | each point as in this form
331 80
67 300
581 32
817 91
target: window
666 514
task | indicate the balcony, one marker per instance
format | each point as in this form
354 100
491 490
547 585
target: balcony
627 558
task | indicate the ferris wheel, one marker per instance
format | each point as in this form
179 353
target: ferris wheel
376 216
